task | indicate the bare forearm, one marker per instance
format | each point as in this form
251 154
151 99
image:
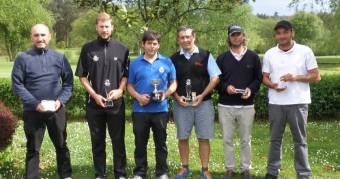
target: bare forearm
131 90
266 81
86 84
122 84
213 82
311 77
172 87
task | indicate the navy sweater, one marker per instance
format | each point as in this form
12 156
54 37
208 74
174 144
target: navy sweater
246 73
41 74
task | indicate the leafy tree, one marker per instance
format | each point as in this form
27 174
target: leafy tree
17 18
64 13
83 28
308 29
140 15
334 5
265 30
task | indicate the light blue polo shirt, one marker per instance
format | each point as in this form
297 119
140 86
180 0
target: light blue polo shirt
212 67
141 72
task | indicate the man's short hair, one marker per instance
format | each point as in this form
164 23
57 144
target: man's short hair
184 28
103 17
151 35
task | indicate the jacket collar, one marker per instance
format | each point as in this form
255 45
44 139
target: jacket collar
41 50
103 42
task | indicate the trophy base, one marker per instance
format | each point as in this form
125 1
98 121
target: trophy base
156 96
109 103
189 101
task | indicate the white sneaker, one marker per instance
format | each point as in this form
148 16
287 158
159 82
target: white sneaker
121 178
68 178
137 177
165 176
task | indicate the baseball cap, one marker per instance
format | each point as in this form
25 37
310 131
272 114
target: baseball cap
234 28
284 23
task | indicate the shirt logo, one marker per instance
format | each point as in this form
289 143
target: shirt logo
198 64
161 69
95 58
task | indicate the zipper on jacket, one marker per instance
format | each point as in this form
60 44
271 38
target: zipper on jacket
106 61
44 60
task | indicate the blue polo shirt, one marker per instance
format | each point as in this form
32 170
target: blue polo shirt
141 72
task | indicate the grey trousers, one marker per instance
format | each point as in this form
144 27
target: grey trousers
230 119
296 116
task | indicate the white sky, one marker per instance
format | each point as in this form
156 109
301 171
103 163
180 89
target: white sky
269 7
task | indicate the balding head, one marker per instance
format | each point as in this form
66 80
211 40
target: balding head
40 36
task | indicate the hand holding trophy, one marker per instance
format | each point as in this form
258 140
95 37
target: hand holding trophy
156 95
108 102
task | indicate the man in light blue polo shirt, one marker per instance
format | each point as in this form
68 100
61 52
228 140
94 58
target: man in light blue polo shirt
197 72
150 108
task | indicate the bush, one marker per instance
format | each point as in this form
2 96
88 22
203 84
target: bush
61 44
8 124
325 100
68 54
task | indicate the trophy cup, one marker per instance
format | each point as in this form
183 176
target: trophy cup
156 95
108 102
188 98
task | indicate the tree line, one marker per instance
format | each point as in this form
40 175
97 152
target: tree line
72 23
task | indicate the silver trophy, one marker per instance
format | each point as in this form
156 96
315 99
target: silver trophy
188 98
156 95
108 102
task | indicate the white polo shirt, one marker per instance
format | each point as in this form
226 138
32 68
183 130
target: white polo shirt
297 61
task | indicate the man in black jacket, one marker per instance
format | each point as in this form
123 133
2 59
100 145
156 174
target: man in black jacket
103 70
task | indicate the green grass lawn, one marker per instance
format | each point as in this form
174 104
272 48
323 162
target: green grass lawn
323 142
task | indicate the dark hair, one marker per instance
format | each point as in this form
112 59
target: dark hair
184 28
151 35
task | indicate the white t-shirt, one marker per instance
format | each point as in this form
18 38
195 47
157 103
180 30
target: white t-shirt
297 61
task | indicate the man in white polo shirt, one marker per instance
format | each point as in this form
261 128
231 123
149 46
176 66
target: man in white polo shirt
287 70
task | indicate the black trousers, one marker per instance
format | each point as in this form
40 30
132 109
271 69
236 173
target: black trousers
142 122
35 124
114 118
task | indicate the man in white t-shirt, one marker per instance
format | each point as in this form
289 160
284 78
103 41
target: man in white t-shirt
287 70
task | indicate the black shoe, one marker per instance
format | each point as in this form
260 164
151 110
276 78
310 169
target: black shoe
270 176
246 175
228 175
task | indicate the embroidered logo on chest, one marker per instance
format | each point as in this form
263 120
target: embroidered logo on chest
161 69
198 64
95 58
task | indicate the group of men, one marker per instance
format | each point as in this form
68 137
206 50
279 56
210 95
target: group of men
43 79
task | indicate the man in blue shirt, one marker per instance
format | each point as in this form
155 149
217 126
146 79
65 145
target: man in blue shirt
39 75
147 112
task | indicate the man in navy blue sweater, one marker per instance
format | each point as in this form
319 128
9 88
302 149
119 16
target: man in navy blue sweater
43 79
241 77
